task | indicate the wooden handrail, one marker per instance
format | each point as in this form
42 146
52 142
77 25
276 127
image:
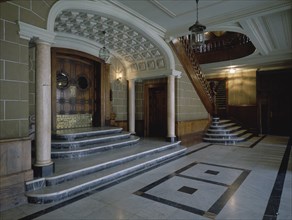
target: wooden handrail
191 66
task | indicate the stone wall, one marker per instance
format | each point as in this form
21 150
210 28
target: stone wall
17 96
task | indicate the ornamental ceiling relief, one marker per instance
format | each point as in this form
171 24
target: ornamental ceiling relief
133 48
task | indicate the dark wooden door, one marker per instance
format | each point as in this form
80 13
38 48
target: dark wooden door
76 85
157 113
275 101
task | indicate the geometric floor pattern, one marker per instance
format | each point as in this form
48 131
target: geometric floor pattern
199 188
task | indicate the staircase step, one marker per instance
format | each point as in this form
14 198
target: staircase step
226 135
59 144
98 170
224 131
222 126
225 141
72 134
93 148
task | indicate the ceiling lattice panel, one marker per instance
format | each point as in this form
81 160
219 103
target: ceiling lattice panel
131 45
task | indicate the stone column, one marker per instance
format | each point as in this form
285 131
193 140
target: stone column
171 109
43 165
132 106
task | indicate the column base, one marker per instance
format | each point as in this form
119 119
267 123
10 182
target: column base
42 171
171 139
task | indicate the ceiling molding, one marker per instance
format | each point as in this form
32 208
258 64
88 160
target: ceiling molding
163 8
238 15
157 28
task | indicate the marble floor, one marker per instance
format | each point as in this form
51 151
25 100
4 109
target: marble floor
210 182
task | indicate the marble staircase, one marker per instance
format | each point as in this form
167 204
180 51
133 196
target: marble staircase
89 158
225 132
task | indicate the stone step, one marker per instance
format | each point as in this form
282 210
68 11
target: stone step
224 131
226 135
233 140
86 150
72 134
82 141
98 170
222 125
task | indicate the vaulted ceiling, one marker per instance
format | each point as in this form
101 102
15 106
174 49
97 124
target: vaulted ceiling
267 23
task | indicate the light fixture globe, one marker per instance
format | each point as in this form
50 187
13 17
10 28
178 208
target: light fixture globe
104 53
197 33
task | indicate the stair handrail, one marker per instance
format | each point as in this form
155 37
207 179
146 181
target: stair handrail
195 74
197 69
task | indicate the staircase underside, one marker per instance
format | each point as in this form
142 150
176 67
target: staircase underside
117 154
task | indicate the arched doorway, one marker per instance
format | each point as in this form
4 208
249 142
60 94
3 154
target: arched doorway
79 82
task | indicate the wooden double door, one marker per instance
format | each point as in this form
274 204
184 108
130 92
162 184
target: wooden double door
76 90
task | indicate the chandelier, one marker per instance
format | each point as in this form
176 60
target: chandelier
197 33
104 52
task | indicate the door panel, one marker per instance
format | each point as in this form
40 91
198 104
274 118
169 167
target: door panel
157 111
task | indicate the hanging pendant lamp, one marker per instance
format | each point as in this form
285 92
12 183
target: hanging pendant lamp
197 33
104 52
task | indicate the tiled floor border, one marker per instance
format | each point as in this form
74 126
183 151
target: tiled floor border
214 210
272 208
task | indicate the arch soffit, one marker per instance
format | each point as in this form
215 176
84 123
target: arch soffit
139 47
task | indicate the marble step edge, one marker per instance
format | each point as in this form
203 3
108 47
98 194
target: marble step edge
80 133
92 140
227 125
233 134
58 179
85 151
232 140
226 131
222 122
73 191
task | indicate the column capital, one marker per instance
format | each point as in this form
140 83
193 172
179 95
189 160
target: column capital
176 73
28 32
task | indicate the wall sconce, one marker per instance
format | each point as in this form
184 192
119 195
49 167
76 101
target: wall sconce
119 76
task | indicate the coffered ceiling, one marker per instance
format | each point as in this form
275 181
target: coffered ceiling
266 22
128 43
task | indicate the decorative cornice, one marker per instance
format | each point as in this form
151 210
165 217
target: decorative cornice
28 32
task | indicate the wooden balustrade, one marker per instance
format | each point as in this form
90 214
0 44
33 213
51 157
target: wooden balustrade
191 65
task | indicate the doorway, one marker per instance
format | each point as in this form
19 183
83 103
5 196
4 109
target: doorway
76 90
155 103
275 102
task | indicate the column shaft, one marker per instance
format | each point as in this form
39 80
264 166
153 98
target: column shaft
132 106
43 109
171 109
